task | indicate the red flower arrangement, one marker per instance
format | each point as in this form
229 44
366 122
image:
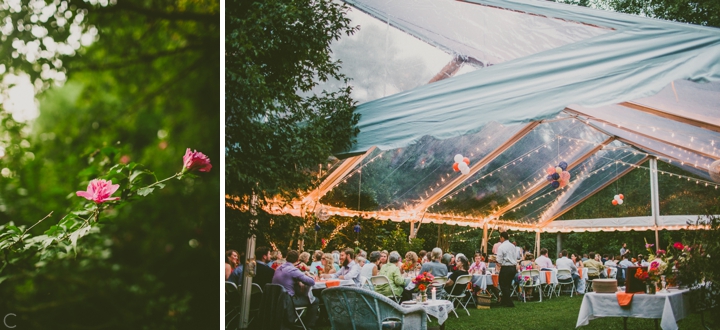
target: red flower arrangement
319 269
423 280
302 267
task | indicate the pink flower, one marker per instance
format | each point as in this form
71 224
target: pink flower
660 252
647 246
678 245
196 161
99 191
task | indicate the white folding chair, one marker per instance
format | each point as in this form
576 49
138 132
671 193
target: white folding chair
610 272
461 282
366 284
591 271
532 273
299 311
439 284
382 279
564 277
549 285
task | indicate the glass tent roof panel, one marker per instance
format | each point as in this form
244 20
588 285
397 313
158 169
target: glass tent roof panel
520 168
586 179
491 35
398 179
382 60
702 141
699 101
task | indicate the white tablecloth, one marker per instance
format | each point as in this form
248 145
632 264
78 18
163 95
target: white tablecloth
437 308
482 281
321 285
668 307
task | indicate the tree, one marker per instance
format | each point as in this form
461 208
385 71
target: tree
141 84
275 138
700 12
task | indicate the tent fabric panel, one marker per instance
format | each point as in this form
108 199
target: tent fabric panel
607 69
490 35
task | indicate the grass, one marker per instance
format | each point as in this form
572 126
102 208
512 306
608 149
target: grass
556 313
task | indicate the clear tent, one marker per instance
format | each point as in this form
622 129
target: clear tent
515 87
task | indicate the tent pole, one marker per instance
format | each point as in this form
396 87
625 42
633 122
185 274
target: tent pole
655 200
537 243
412 231
485 238
246 288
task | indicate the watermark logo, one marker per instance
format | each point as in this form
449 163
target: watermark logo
7 320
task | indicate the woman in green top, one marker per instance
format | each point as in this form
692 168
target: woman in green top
392 272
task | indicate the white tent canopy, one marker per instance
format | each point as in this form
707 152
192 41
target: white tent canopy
541 83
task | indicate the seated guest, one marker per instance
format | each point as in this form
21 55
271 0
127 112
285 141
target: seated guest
349 270
231 262
411 262
276 259
422 256
317 262
461 263
383 259
263 272
641 262
478 267
591 262
622 268
565 263
446 258
392 272
302 263
625 263
360 261
610 262
237 273
328 264
370 269
543 261
289 277
434 267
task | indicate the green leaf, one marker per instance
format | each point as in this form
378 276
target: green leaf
77 234
15 229
145 191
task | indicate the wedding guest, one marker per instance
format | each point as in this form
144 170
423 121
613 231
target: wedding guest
584 257
495 247
641 261
478 267
446 261
519 252
237 273
422 256
303 261
328 264
287 275
383 259
349 270
360 261
317 261
461 264
392 272
506 256
565 263
231 262
610 262
434 267
623 249
370 268
411 262
577 261
276 258
263 273
543 261
591 262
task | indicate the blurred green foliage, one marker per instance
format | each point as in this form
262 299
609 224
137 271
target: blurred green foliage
146 89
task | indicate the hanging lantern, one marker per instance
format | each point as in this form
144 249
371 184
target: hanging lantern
356 229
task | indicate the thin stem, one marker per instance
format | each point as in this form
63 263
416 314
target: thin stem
163 180
39 221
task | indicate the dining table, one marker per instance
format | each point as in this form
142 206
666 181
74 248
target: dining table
669 307
440 309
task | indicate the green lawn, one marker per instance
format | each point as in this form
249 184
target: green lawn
556 313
